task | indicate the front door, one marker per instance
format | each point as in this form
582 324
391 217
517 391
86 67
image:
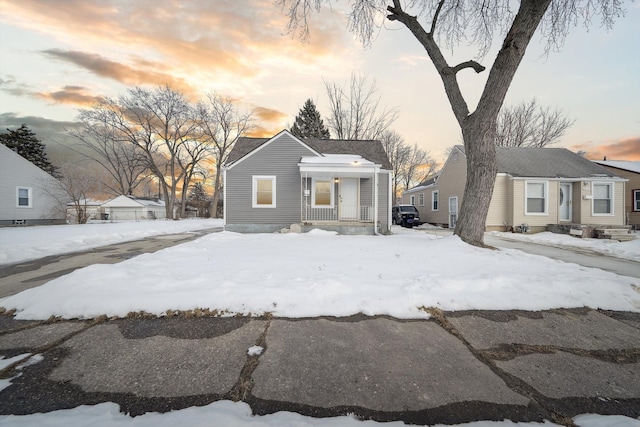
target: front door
348 198
564 200
453 211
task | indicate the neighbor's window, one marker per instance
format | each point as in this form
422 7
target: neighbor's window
412 200
602 198
435 197
536 197
636 200
264 191
421 199
23 196
322 193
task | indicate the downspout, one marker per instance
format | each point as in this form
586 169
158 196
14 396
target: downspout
224 198
375 201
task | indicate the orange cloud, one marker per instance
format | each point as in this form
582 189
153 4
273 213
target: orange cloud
74 95
269 114
624 149
121 72
213 43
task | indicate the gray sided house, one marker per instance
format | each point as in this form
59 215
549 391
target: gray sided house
274 183
25 193
539 187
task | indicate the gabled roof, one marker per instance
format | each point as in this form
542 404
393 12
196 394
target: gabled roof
620 164
369 149
130 201
546 163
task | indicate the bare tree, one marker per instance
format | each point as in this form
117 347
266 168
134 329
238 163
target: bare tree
398 153
159 124
76 186
447 23
530 125
221 123
125 164
418 167
355 110
410 164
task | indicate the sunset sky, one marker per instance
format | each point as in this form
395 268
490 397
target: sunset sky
58 56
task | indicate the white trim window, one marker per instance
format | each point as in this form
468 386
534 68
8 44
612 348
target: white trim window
536 197
264 191
435 200
412 200
602 200
24 197
421 199
636 200
322 195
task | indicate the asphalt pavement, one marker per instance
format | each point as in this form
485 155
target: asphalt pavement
454 368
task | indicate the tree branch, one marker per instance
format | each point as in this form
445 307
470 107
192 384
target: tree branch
469 64
457 101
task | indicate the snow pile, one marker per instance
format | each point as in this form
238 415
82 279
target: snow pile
238 414
628 250
320 273
27 243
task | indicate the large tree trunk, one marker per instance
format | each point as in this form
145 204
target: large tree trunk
480 150
213 211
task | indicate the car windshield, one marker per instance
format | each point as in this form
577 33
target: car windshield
407 209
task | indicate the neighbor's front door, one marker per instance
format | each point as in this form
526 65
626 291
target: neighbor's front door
348 197
564 200
453 211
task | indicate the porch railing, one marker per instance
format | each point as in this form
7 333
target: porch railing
359 214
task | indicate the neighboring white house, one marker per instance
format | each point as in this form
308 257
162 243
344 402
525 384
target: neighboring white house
91 206
127 208
23 200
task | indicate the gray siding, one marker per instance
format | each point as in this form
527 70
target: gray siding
279 158
16 171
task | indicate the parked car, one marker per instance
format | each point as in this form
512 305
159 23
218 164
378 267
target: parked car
405 215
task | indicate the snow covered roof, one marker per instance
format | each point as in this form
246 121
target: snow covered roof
337 159
620 164
130 201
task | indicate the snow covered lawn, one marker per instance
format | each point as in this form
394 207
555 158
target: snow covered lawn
238 414
26 243
320 273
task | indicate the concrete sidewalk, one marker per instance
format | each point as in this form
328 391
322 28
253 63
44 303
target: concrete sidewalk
456 367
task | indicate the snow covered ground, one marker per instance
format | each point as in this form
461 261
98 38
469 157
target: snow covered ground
238 414
317 273
27 243
321 273
627 250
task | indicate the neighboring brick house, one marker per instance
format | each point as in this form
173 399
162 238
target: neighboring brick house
631 171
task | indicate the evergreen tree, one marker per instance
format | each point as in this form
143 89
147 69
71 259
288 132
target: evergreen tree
24 142
309 123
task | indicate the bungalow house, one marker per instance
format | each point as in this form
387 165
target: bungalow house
23 199
275 183
631 172
534 188
128 208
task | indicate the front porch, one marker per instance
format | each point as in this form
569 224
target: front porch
338 192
